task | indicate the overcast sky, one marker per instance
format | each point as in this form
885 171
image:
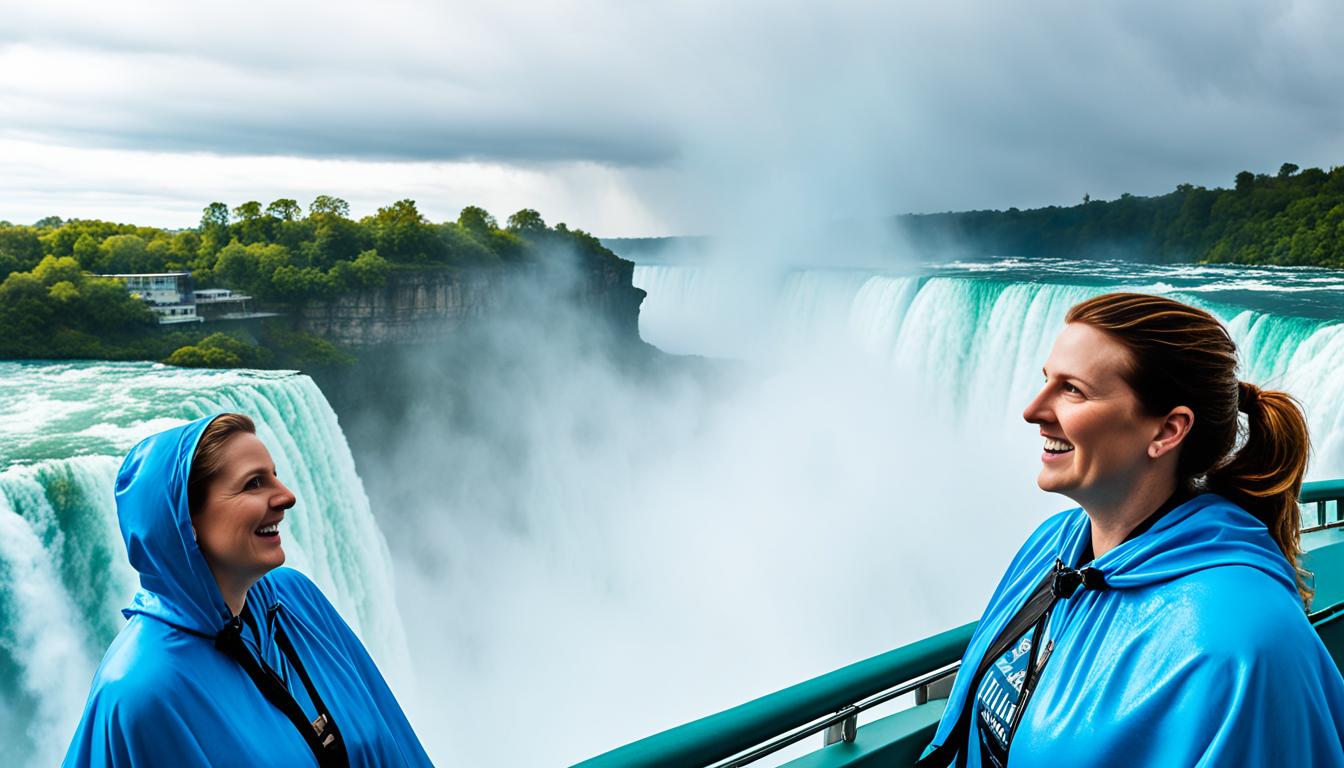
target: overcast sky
632 119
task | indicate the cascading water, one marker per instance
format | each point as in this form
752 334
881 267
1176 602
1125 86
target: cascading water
63 571
979 332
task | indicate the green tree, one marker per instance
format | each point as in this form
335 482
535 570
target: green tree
63 292
462 249
22 244
218 350
335 239
247 211
476 221
369 269
123 254
52 270
402 234
507 246
301 283
251 225
528 221
215 215
238 267
328 205
195 356
26 315
108 307
284 209
186 244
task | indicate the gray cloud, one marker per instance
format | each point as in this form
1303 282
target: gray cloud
714 114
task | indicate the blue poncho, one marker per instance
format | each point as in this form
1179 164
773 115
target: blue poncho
164 696
1198 654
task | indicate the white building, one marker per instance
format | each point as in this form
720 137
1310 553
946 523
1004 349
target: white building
169 294
176 313
159 287
224 304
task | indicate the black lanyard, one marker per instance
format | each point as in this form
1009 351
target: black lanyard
321 735
1060 582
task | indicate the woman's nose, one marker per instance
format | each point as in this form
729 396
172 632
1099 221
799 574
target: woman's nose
1036 411
286 498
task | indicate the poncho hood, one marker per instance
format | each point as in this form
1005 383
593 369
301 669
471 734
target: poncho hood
176 584
166 696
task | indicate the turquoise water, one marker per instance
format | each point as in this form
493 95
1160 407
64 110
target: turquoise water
63 571
979 331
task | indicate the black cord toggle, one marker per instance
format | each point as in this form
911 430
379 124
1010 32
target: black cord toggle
1068 580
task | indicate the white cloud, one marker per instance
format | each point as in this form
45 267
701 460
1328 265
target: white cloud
169 189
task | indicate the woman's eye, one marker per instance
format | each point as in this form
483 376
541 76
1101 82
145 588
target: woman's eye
1072 389
253 483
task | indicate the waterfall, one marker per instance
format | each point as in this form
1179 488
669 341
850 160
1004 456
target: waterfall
64 577
980 339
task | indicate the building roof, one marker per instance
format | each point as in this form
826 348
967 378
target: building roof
151 274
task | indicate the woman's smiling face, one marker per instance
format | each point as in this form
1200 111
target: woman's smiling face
1098 438
237 526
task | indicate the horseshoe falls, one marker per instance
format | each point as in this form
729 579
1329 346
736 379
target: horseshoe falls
977 333
63 571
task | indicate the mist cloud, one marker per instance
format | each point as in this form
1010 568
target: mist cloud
571 530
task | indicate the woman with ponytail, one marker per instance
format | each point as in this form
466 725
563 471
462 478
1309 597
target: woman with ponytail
1162 622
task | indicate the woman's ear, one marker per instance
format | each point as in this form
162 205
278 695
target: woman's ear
1171 432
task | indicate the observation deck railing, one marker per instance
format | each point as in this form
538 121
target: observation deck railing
831 703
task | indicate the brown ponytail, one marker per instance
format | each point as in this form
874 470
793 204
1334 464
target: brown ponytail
1183 356
1265 476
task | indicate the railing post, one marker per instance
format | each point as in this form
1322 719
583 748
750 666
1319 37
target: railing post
1320 513
845 730
938 689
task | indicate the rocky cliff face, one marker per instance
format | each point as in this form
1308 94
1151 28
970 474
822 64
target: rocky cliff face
427 305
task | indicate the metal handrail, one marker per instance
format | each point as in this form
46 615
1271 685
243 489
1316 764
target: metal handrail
728 733
1321 493
742 734
847 718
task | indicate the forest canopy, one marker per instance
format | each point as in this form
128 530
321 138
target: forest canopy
278 254
53 302
1292 218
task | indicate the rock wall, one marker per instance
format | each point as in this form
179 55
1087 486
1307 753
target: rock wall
416 306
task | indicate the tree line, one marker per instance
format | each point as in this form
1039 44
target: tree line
53 304
1292 218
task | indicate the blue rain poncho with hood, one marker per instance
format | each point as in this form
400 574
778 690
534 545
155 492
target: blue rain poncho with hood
1198 652
164 696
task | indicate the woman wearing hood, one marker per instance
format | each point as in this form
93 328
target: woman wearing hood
1162 622
227 658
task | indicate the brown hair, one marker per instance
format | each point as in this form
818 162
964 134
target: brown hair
209 459
1183 356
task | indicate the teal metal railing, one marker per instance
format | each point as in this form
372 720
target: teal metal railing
722 736
1317 499
832 702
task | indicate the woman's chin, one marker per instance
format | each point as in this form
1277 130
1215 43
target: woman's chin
1050 482
273 560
